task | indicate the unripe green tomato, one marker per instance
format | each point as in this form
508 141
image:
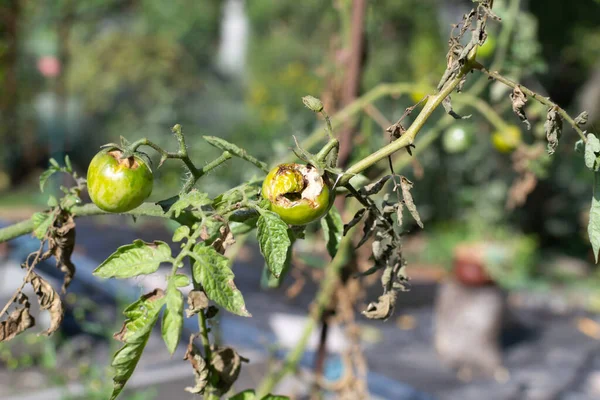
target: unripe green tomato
507 140
488 48
297 193
118 185
457 138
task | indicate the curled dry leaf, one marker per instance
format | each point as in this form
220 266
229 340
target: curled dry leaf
553 127
518 99
226 363
49 300
18 321
383 308
447 103
224 240
200 368
61 244
406 186
197 301
582 118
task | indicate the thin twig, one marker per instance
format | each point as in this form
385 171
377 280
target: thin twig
544 100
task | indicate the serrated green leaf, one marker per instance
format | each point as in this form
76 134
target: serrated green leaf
236 151
45 176
592 148
172 321
180 233
138 258
333 229
212 270
273 240
194 199
268 280
245 395
41 223
181 280
142 315
594 223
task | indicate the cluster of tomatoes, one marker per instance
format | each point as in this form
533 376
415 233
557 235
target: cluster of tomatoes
119 184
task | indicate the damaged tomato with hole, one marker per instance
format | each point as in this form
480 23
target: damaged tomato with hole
298 193
117 184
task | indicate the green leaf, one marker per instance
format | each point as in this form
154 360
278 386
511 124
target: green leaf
333 230
245 395
138 258
274 241
594 224
41 223
592 148
180 233
275 397
212 270
68 166
54 163
193 199
172 321
235 150
45 176
52 201
181 280
142 315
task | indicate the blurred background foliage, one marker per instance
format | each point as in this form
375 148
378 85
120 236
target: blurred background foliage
77 74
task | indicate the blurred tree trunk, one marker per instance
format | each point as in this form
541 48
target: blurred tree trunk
10 11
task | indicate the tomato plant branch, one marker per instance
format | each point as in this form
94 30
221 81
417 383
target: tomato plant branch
408 137
544 100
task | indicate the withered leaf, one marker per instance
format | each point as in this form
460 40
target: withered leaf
224 240
582 118
375 187
18 320
368 228
406 186
447 103
553 127
200 368
518 99
226 363
383 308
355 220
61 244
49 300
197 301
399 210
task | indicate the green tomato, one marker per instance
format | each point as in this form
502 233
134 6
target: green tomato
488 48
118 185
457 139
297 193
508 139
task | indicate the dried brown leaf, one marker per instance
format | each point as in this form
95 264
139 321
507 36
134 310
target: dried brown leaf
18 321
406 186
553 127
224 240
520 189
226 363
49 300
197 301
200 368
61 243
383 308
518 99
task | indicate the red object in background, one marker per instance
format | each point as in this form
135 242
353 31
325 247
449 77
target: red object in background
469 265
49 66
